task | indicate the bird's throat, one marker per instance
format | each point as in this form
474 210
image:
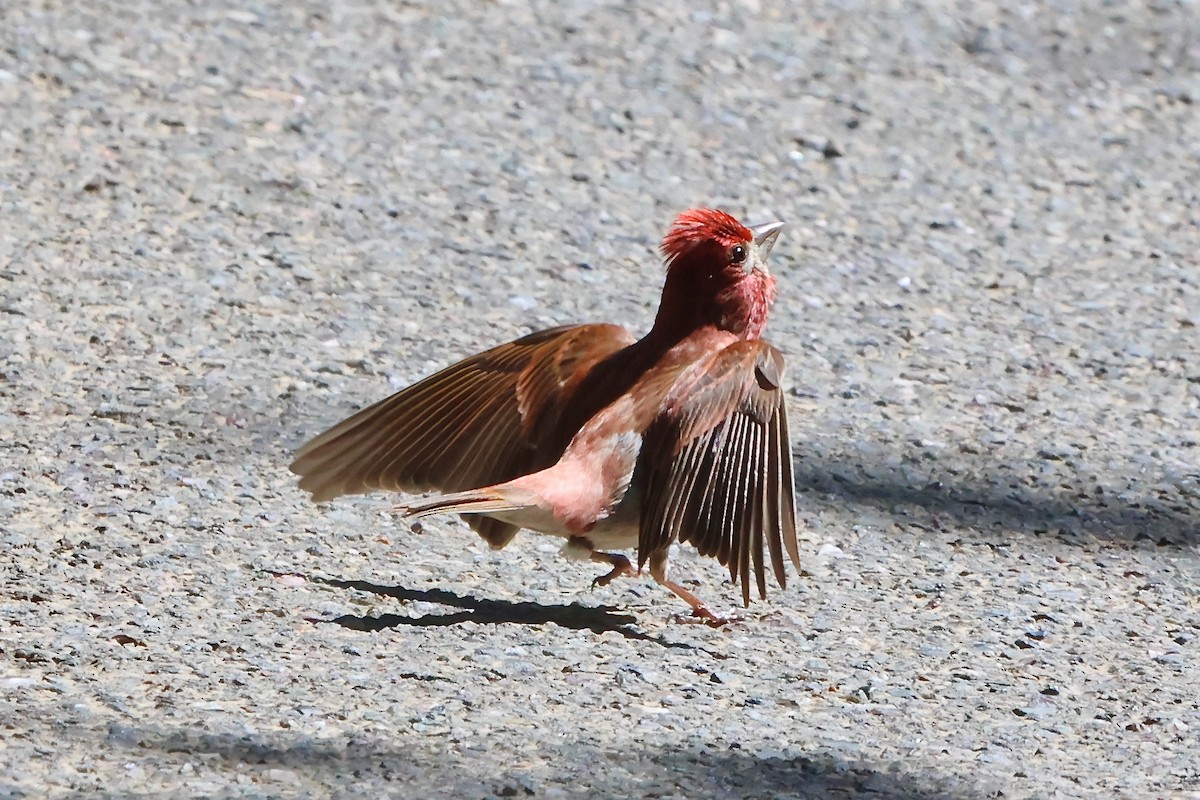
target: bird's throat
691 301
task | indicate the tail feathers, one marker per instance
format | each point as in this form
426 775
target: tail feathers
488 500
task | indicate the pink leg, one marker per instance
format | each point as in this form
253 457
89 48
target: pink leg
700 611
620 567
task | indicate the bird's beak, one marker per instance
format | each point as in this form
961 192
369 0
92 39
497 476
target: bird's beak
765 236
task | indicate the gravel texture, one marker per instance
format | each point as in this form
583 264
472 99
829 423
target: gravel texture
224 227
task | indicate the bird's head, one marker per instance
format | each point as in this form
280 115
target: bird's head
717 273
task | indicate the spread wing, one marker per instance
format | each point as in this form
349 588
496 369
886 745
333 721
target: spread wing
484 420
717 466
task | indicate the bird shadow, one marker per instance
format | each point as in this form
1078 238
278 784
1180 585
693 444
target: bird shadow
690 771
736 772
575 616
926 497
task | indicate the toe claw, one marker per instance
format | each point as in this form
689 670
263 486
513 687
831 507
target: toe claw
702 615
620 567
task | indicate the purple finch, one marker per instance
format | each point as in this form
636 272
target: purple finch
607 441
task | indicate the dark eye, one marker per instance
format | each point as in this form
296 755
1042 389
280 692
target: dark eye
738 254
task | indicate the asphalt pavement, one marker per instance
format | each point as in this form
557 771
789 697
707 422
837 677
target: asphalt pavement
224 227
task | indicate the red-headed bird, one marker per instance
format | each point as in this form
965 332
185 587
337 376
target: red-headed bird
609 442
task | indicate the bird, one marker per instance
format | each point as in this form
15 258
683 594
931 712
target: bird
608 441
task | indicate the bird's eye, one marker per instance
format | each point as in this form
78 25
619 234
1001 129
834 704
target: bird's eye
738 254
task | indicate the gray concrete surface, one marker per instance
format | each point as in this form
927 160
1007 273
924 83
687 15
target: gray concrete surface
225 226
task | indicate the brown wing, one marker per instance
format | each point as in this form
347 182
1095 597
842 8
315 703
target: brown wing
717 466
484 420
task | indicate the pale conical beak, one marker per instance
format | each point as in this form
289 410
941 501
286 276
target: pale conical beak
765 236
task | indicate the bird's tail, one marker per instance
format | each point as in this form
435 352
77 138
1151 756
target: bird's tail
488 500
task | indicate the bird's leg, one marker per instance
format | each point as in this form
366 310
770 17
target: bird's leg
620 567
700 611
579 547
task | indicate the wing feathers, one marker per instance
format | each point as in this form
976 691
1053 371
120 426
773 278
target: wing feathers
717 468
787 490
484 420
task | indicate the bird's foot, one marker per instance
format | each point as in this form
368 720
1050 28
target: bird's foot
621 567
703 615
